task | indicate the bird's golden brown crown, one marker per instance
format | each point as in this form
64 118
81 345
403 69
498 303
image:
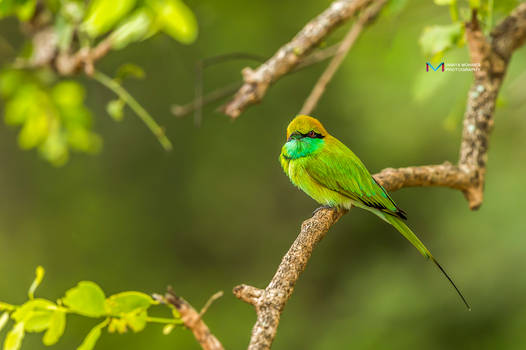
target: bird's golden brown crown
304 124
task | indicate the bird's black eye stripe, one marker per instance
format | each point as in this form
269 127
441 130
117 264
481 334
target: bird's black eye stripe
313 135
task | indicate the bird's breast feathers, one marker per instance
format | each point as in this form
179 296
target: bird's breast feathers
297 170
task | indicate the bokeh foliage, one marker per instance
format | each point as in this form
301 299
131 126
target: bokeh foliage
218 211
51 113
52 116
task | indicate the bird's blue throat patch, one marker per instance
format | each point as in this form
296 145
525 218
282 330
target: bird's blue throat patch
303 147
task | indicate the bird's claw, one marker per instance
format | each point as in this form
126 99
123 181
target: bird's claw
320 208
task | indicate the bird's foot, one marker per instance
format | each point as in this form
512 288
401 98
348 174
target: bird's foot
320 208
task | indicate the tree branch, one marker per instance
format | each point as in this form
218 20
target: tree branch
256 82
468 176
193 319
493 54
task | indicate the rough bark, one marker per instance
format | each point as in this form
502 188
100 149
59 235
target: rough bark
193 319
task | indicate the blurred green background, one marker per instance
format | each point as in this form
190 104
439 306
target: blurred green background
217 211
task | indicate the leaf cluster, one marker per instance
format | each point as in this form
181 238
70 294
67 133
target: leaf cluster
117 313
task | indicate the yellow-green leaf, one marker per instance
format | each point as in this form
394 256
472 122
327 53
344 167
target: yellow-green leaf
117 325
134 28
6 306
87 299
34 131
104 14
68 94
436 39
3 320
127 302
168 329
136 320
35 314
39 275
56 328
92 337
176 20
115 109
13 341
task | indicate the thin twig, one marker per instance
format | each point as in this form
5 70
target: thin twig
365 18
135 106
216 95
199 83
209 302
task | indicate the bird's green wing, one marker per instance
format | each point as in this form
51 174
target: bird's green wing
336 167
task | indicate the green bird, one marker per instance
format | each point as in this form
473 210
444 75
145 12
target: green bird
329 172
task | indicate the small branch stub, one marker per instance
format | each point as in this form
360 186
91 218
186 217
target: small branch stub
193 320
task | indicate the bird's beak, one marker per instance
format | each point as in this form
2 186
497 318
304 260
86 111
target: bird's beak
294 136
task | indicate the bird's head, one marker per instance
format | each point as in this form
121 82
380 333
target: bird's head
305 136
304 126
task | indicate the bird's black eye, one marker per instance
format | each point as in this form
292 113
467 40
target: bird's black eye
312 134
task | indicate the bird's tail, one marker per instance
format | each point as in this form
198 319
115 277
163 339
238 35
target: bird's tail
400 225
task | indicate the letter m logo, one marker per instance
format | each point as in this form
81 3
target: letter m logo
433 68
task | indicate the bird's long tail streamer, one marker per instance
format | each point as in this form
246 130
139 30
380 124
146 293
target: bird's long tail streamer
411 237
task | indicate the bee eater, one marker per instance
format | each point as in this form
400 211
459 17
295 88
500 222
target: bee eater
329 172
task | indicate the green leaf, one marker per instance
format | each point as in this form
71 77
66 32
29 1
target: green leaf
134 28
25 10
6 306
3 320
13 341
444 2
92 337
35 314
129 70
38 321
68 94
39 275
56 328
103 15
168 329
115 109
22 104
87 299
55 149
127 302
10 81
437 39
34 131
136 321
176 19
117 325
